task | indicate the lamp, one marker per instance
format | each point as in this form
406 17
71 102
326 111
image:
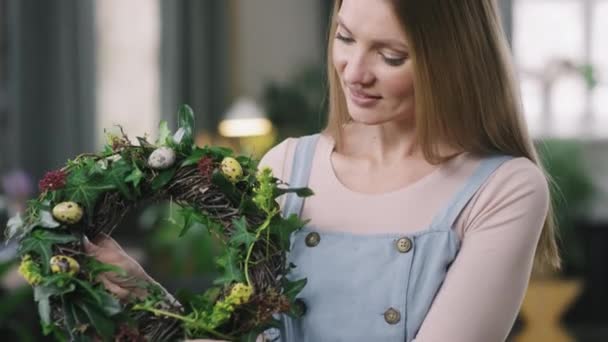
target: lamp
244 118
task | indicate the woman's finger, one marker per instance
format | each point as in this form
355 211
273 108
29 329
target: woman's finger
89 247
105 241
120 292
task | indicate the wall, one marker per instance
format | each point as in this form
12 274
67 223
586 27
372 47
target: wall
274 39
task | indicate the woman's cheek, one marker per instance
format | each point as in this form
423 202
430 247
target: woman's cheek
339 58
399 85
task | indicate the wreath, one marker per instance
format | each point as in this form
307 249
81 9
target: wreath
212 187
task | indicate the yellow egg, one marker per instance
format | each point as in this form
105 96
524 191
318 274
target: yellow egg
231 169
64 264
67 212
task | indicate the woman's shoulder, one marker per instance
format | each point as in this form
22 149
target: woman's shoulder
279 158
521 173
518 187
275 157
514 173
517 179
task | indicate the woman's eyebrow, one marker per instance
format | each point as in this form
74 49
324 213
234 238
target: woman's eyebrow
341 23
391 43
381 42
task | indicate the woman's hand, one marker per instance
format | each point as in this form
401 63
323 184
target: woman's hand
108 251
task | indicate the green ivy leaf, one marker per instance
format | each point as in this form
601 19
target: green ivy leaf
107 150
96 267
218 152
96 317
283 228
135 176
70 316
117 177
229 264
196 155
89 290
191 218
210 224
95 167
241 236
301 192
41 242
110 304
42 294
163 133
162 178
296 310
293 288
219 180
201 302
77 320
185 124
247 162
86 190
248 207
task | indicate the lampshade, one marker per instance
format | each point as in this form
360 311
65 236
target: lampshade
244 118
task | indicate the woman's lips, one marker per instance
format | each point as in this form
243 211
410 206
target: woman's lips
363 99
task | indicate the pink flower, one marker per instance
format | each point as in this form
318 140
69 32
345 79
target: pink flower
205 167
52 180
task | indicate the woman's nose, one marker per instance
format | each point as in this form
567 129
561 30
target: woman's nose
357 72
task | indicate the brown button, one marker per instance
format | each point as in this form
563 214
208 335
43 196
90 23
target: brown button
312 239
392 316
404 245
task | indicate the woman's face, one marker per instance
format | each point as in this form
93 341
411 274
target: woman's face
371 56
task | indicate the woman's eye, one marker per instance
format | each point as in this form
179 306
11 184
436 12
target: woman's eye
344 38
394 61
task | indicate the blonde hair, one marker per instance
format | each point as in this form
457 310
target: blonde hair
466 95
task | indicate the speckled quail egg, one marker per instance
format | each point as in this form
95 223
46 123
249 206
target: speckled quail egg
231 169
67 212
161 158
64 264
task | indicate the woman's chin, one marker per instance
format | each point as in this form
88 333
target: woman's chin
368 117
364 115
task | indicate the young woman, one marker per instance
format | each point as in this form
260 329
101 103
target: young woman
430 204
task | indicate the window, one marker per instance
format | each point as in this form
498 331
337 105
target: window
128 69
558 46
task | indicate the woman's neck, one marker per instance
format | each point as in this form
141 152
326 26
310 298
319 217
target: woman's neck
380 144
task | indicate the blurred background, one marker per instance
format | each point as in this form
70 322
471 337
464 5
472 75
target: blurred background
254 73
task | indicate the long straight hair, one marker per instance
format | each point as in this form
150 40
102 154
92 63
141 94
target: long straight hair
466 94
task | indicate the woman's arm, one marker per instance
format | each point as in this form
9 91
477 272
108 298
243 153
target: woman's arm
486 283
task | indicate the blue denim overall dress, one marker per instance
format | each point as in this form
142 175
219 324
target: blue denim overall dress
375 287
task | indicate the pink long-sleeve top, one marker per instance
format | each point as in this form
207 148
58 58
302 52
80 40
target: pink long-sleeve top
499 230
